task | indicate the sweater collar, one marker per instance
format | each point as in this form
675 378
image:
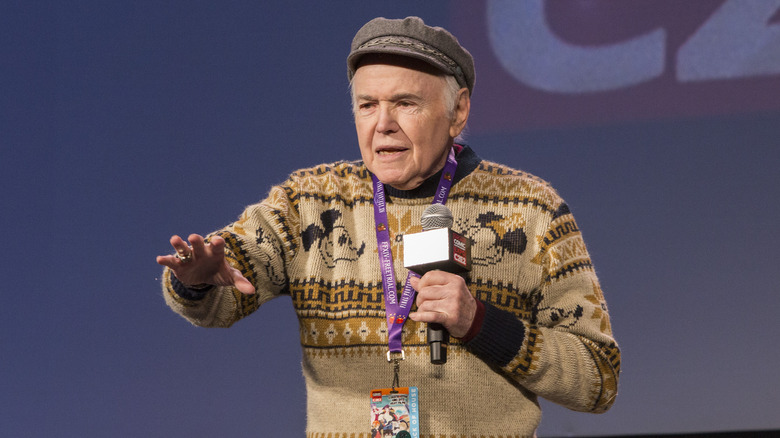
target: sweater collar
467 163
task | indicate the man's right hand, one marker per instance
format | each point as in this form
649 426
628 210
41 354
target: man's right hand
199 263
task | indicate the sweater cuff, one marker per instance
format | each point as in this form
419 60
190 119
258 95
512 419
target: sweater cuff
476 324
188 293
500 338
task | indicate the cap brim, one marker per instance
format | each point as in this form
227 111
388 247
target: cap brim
353 59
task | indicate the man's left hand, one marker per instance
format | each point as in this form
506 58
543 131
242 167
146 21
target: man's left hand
444 298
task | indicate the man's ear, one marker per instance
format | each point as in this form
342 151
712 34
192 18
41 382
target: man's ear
460 115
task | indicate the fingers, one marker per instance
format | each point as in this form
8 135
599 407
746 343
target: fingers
437 285
180 246
183 254
445 299
168 261
196 248
217 245
198 262
198 243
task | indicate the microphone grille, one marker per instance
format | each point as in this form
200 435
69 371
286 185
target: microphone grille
436 216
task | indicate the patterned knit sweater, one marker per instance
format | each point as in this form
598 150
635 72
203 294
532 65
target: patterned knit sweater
546 329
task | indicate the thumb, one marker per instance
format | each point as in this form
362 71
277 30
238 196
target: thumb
242 284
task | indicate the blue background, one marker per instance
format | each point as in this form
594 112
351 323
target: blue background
123 123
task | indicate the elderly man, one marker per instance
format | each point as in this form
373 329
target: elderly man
528 320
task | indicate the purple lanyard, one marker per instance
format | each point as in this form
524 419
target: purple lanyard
398 310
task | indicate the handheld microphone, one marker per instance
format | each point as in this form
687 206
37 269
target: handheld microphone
437 247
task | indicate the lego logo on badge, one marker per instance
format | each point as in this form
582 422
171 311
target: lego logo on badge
376 396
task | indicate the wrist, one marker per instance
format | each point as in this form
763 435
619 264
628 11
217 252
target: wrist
476 323
198 287
189 292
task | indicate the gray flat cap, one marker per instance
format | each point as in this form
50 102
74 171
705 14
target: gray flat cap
412 37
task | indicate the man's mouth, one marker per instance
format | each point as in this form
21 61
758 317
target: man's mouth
389 150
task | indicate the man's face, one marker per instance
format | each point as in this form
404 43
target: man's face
403 127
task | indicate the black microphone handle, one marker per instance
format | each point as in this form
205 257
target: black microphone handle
438 339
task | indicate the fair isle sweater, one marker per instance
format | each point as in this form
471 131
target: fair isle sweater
545 333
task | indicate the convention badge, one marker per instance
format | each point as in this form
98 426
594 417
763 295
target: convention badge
394 413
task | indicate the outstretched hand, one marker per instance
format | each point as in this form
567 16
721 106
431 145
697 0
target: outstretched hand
199 263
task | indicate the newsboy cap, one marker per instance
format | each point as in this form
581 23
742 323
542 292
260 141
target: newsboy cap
412 37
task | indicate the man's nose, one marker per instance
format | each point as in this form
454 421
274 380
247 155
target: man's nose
386 122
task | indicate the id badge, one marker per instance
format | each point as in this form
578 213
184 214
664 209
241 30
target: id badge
395 413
